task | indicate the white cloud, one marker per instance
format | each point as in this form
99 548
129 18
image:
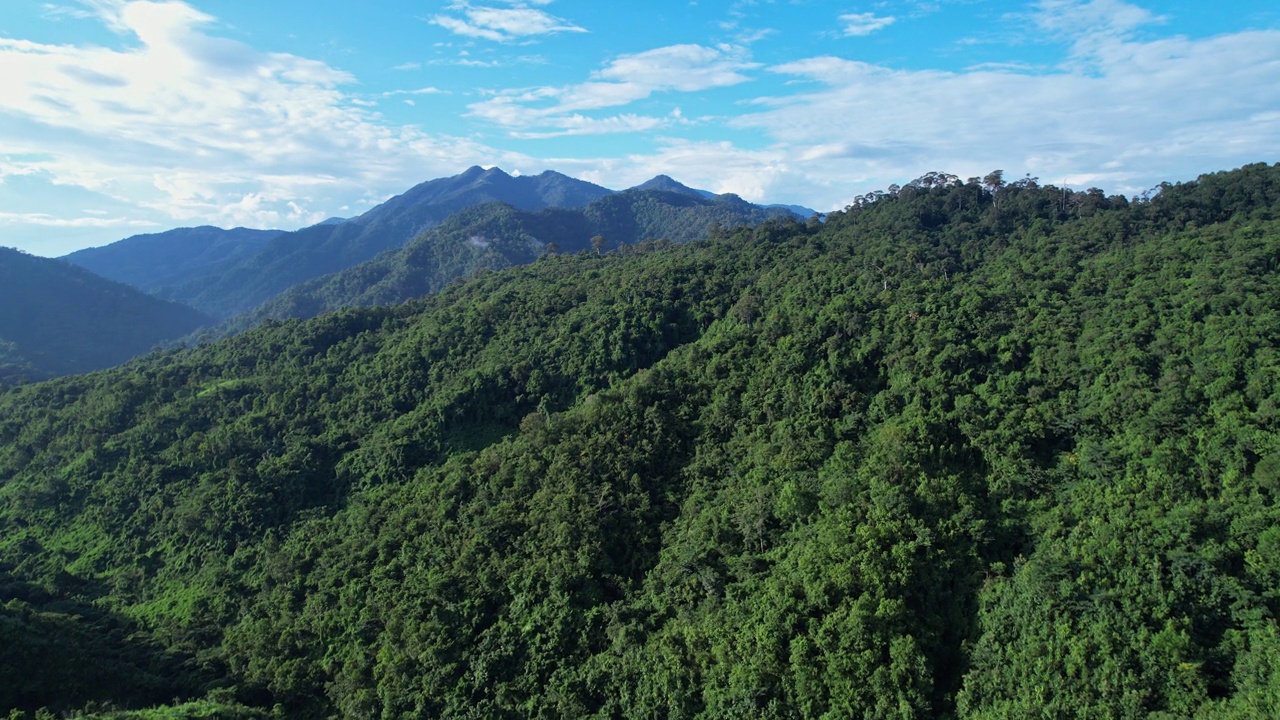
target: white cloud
408 66
860 24
627 79
175 125
687 68
59 12
46 220
1091 26
719 166
501 24
1106 17
419 91
1138 111
582 125
184 126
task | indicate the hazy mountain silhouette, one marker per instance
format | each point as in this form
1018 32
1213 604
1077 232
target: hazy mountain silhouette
56 319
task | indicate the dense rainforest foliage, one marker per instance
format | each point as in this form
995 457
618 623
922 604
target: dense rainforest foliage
56 319
496 235
964 450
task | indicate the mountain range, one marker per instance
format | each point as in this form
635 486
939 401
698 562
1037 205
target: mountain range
396 251
156 261
666 183
389 254
223 273
241 282
964 450
496 235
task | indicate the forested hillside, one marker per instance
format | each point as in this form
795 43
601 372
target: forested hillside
966 449
57 319
495 236
154 261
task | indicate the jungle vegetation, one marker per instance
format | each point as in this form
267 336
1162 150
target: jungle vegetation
966 449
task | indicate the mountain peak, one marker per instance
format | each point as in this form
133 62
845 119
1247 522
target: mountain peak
667 184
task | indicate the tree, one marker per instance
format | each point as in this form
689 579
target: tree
994 183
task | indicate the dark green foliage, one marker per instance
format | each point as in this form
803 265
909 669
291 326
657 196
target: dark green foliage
57 319
64 653
960 451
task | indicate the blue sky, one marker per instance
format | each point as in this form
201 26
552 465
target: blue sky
119 117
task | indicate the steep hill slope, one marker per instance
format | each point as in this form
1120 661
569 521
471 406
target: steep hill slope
57 319
496 236
154 261
960 451
290 258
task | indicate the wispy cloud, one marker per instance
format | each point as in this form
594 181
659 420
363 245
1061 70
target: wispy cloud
582 125
419 91
532 112
60 12
1094 18
1120 111
745 35
95 221
860 24
183 126
501 24
1137 111
173 124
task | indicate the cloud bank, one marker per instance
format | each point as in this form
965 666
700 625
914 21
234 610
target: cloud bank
174 125
184 127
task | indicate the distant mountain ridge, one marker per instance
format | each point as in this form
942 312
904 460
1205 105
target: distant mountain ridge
226 272
58 319
299 256
666 183
153 261
498 235
246 276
